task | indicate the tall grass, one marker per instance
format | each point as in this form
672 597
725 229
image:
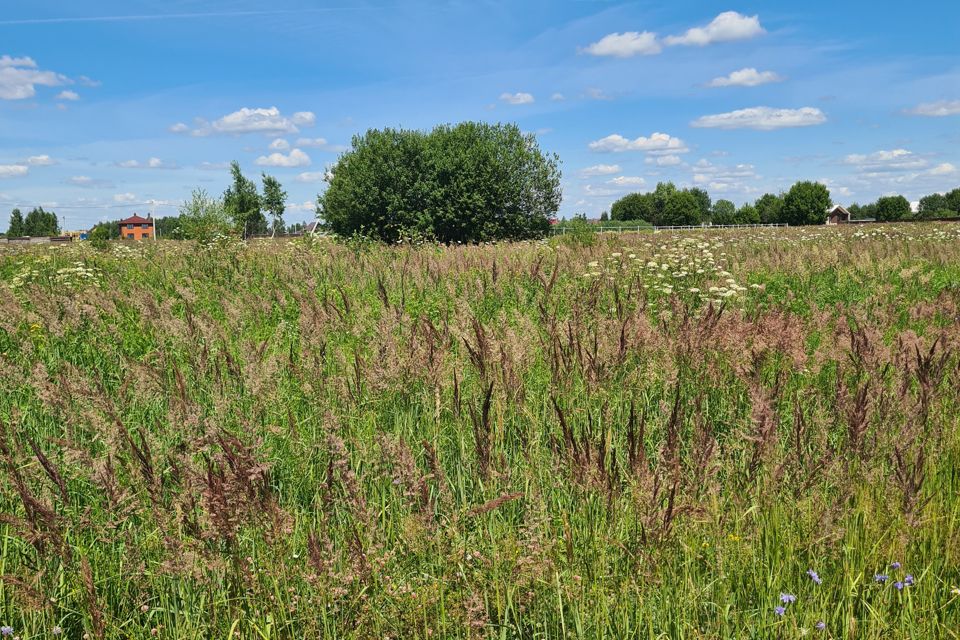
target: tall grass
647 436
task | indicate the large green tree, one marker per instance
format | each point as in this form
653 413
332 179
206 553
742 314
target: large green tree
15 230
681 208
634 206
770 208
806 203
748 214
242 203
703 201
470 182
723 212
953 200
932 205
41 223
890 208
274 201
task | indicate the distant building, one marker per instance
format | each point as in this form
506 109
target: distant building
136 228
77 235
837 214
311 228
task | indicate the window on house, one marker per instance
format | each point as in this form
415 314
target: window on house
130 236
144 225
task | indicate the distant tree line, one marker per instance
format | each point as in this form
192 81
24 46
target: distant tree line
37 223
241 210
889 208
804 203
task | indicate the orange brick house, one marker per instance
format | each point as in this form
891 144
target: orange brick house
136 228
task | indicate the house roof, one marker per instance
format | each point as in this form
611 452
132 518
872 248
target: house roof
837 207
135 219
311 226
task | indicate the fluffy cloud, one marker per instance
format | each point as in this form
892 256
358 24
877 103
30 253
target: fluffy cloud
19 78
296 158
13 170
319 143
266 121
179 127
748 77
311 176
41 161
309 205
625 45
88 183
593 93
600 170
558 97
940 108
762 118
944 169
151 163
726 27
517 98
724 178
124 198
627 181
68 95
880 161
656 143
280 144
664 161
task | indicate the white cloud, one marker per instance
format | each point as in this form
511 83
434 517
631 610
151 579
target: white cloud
312 176
213 166
151 163
664 161
747 77
124 197
939 108
627 181
309 205
280 144
13 170
762 118
594 93
88 183
879 161
179 127
657 142
944 169
19 78
724 178
726 27
625 45
517 98
68 95
600 170
319 143
558 97
268 121
296 158
600 192
88 82
41 161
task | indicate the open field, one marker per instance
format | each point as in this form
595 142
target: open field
642 436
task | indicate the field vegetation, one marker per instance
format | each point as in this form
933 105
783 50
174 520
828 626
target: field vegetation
749 434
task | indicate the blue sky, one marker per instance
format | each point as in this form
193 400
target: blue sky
107 108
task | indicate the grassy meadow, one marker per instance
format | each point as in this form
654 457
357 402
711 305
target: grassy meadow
627 436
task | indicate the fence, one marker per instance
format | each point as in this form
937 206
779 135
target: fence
599 228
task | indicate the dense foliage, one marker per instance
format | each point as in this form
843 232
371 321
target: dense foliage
890 208
466 183
643 436
806 203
